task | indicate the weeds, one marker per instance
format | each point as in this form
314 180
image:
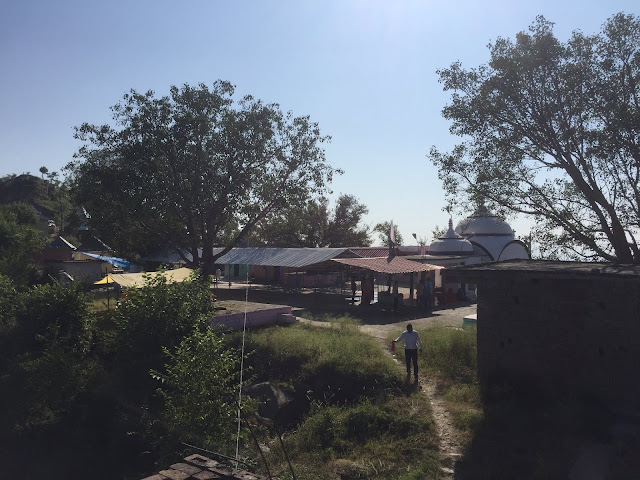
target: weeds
359 424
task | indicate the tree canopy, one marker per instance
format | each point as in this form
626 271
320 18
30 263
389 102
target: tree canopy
194 169
315 224
20 241
383 229
552 129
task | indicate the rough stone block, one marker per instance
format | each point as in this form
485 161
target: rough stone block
206 475
186 468
201 461
174 474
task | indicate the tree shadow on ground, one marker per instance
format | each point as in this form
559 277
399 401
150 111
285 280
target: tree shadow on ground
317 305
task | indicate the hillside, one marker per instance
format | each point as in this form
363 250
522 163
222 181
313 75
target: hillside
50 199
32 190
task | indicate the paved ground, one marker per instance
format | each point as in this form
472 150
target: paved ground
445 317
376 320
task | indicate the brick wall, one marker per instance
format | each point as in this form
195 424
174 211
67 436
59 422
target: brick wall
562 336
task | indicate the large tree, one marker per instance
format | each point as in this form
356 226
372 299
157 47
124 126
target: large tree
315 224
552 129
383 229
194 169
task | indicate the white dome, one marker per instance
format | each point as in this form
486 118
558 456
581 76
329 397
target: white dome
484 223
451 244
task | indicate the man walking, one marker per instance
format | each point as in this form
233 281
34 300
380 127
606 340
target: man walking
411 344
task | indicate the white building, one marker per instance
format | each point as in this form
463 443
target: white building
479 238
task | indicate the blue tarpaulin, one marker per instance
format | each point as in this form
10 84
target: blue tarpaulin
115 261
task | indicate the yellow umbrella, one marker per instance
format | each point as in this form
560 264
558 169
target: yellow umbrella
105 281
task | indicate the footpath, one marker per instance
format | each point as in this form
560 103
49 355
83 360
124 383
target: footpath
381 328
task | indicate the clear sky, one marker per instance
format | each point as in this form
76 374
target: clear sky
365 70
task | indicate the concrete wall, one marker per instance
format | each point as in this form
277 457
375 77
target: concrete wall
258 318
562 336
89 270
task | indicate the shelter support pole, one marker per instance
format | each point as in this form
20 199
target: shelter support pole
411 286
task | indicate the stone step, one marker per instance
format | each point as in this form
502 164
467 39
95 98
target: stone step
286 319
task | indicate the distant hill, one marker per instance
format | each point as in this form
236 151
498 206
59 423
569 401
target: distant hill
51 201
42 195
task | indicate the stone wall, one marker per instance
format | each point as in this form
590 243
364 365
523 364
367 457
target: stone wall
562 336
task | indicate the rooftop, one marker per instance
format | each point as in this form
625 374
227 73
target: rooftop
544 268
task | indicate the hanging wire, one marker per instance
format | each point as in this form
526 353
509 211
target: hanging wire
255 439
244 329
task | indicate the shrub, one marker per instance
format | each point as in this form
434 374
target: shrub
161 313
200 389
46 338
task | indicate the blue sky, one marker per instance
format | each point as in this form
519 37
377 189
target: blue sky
364 70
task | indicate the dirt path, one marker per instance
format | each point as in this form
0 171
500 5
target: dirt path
450 440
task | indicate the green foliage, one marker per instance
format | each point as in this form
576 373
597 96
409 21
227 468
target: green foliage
391 439
445 352
52 315
465 404
200 389
550 130
8 300
48 196
312 224
450 354
161 314
337 364
449 357
383 230
45 338
188 169
20 241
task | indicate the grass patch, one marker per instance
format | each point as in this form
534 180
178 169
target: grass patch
360 421
336 364
393 439
102 301
450 354
449 358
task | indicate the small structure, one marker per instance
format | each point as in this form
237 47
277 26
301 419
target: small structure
61 261
59 250
233 314
491 236
561 328
397 266
480 238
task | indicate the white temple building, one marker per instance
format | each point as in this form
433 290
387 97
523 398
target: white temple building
480 238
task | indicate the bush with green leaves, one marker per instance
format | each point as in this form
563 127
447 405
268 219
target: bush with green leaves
45 339
161 314
20 240
200 388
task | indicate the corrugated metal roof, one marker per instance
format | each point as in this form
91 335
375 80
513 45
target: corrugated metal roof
386 265
370 252
61 244
279 257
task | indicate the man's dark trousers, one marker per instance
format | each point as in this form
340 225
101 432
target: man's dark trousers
411 355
